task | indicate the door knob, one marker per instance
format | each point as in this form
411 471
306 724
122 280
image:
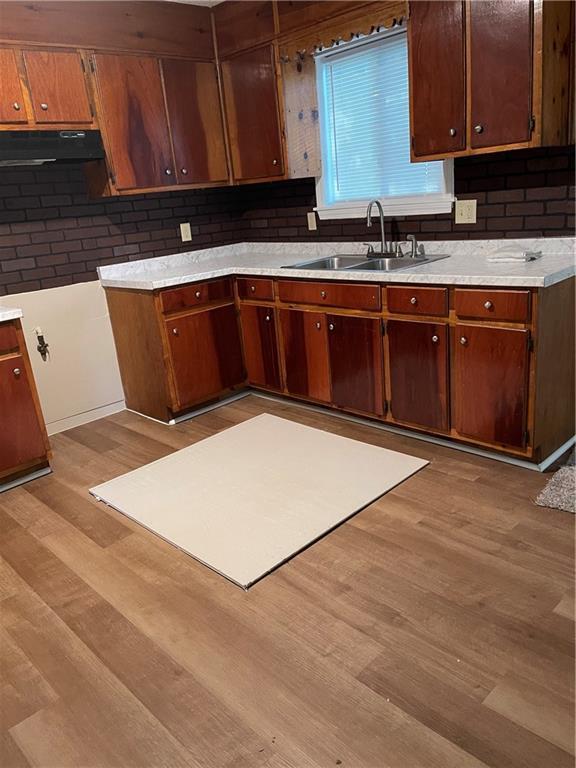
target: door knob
463 340
16 372
16 106
488 304
435 339
478 128
452 131
44 107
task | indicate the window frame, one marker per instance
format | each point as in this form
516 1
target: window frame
406 205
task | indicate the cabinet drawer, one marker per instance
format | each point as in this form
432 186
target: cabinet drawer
8 338
345 295
177 299
249 288
417 301
483 304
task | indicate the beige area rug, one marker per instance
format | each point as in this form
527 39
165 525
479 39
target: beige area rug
560 491
249 498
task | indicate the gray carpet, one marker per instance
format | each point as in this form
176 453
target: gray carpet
560 491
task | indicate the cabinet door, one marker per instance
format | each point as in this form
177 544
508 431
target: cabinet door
437 77
12 107
195 120
260 346
305 343
501 72
490 383
57 87
249 81
356 362
21 436
134 120
205 353
418 365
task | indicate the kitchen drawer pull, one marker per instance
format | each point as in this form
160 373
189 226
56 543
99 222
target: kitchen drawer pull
175 332
435 339
452 131
463 341
318 326
253 288
184 171
274 162
267 318
198 294
331 326
16 371
168 172
488 305
478 128
323 294
414 300
16 106
44 106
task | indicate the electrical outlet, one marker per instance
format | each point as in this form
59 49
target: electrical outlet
185 232
465 212
312 223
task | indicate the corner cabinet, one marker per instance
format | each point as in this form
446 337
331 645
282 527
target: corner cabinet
488 76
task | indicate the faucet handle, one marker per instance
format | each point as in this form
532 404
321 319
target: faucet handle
414 251
370 248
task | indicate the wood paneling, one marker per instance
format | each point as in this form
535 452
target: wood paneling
255 288
58 89
356 365
171 29
305 345
418 363
298 14
195 118
242 24
8 337
557 72
501 72
301 117
133 117
249 83
12 105
490 383
333 294
486 304
179 299
21 436
414 300
205 354
437 76
260 346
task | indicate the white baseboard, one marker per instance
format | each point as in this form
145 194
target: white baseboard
78 419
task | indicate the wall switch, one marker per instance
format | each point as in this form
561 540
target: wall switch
465 212
185 232
312 223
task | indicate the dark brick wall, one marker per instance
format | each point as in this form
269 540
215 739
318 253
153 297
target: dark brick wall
53 234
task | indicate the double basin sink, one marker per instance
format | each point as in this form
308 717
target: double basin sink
361 263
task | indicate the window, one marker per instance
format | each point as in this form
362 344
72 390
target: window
365 134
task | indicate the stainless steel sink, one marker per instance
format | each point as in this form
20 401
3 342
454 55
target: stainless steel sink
390 263
344 261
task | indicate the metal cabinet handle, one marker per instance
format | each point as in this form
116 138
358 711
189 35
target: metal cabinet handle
198 294
435 339
16 106
488 304
478 128
253 288
463 340
452 131
168 172
318 326
323 294
175 331
274 162
184 171
16 371
44 106
267 318
414 300
331 326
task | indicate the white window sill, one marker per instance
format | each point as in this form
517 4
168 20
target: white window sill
398 206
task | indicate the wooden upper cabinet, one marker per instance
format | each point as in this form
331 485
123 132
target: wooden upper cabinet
12 106
58 89
437 77
500 72
133 117
490 384
250 98
195 118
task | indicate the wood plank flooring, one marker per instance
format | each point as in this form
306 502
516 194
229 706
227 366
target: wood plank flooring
433 630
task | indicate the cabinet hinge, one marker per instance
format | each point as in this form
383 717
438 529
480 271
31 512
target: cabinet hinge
83 65
531 123
526 437
92 65
386 405
412 141
113 179
530 344
383 327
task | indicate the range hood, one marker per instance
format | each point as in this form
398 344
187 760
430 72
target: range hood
38 147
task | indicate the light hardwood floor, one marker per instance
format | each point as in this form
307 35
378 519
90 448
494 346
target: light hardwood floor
434 629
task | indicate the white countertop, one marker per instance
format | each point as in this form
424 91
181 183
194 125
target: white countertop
7 313
467 264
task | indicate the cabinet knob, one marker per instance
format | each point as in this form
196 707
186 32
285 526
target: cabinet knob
488 304
478 128
435 339
463 340
323 294
452 131
175 331
331 326
184 171
16 372
44 106
318 326
16 106
253 288
198 294
414 301
267 318
168 172
274 162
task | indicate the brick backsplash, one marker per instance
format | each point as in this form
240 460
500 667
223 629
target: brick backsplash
53 234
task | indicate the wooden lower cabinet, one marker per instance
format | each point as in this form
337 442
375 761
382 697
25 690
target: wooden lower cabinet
22 436
418 373
305 344
490 384
356 363
205 354
260 346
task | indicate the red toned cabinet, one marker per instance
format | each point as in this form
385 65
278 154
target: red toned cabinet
58 90
12 106
260 346
305 343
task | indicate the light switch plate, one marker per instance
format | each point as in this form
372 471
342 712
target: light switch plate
465 212
312 223
185 232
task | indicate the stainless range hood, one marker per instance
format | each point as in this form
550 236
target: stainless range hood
38 147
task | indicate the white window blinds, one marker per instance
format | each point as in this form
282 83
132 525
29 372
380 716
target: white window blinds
365 129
